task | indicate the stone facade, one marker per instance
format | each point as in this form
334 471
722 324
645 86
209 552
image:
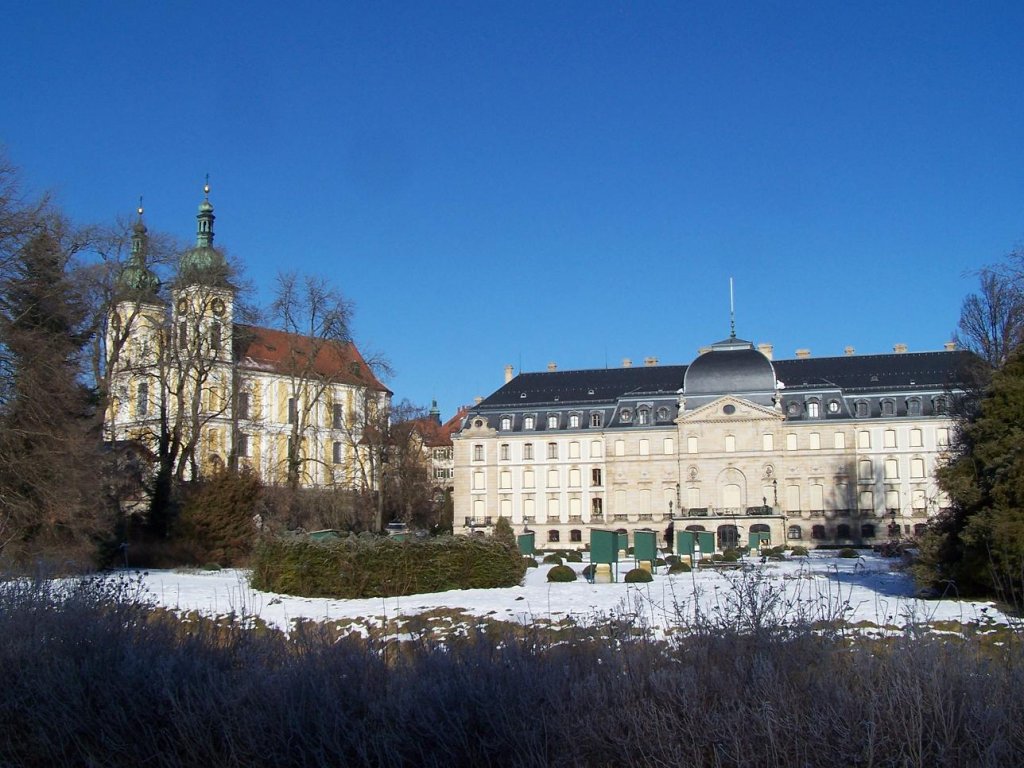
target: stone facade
810 450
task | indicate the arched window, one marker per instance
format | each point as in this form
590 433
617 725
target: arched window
794 533
728 536
843 531
920 529
867 531
818 532
553 536
506 422
575 535
643 416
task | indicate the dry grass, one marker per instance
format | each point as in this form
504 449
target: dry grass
93 676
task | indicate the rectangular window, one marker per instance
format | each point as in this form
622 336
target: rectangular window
693 498
645 447
528 451
552 478
574 478
336 452
892 500
620 447
293 411
916 438
528 480
669 446
596 449
917 468
338 416
504 452
574 421
243 405
918 499
478 453
595 478
574 450
183 334
215 337
552 421
815 440
691 444
817 497
730 443
529 422
505 480
863 439
866 501
243 445
552 450
889 438
595 419
839 440
892 469
767 443
942 437
813 410
478 481
142 400
864 469
791 441
792 498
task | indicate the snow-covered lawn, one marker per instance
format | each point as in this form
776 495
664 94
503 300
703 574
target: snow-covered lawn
863 592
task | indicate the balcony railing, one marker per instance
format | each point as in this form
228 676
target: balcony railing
477 522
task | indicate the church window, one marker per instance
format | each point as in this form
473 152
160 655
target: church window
336 452
730 443
293 411
215 337
183 333
142 399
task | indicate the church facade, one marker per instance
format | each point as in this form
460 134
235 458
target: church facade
202 391
838 450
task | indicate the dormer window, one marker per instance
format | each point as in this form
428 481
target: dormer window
574 421
552 421
813 409
595 419
914 406
625 415
529 422
940 404
663 414
861 409
506 423
833 406
643 416
888 407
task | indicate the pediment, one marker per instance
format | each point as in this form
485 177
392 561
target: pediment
715 412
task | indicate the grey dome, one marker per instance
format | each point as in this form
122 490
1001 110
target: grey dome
731 366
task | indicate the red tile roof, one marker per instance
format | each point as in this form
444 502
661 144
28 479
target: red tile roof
437 435
273 351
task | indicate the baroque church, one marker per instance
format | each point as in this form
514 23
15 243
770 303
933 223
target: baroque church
832 450
202 391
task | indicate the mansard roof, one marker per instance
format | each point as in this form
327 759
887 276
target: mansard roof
851 374
272 351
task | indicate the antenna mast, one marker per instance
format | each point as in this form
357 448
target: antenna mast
732 313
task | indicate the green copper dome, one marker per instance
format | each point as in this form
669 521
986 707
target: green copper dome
204 264
137 279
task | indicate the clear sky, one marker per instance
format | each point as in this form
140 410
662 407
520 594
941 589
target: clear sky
514 182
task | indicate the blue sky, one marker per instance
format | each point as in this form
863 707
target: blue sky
520 183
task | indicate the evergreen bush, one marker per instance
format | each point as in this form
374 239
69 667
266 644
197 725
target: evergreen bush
848 552
588 572
574 556
799 551
679 567
658 562
217 518
358 567
638 576
730 556
561 573
531 562
552 559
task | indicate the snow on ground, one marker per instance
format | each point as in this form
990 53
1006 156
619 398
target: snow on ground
864 591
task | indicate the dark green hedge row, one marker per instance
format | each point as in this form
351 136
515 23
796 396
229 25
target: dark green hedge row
382 567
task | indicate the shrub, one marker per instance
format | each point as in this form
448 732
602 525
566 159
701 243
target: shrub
552 559
848 552
638 576
706 561
503 532
671 560
658 562
730 556
531 562
799 551
574 556
629 551
373 566
561 573
717 557
588 572
679 567
217 518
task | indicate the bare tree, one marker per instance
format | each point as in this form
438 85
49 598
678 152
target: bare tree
992 320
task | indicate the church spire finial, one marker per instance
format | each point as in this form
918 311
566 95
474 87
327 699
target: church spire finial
139 235
204 229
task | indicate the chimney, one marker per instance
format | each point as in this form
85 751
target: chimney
508 373
949 346
899 349
627 363
552 367
848 351
766 350
477 400
803 354
650 362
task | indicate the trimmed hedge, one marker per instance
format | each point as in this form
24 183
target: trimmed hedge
561 573
638 576
382 567
552 559
680 567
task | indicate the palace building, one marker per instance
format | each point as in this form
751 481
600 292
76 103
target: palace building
204 391
835 450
